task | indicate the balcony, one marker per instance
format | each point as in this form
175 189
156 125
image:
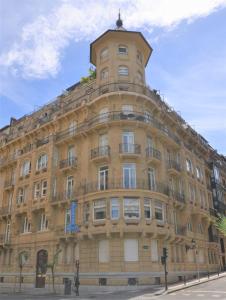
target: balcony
5 210
129 150
9 184
11 159
63 197
173 167
115 184
69 163
181 230
100 153
42 142
153 155
177 196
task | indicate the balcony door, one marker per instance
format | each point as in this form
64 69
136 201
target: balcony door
128 142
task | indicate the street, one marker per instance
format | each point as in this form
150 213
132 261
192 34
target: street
215 289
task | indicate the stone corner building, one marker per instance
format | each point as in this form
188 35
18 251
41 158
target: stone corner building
109 174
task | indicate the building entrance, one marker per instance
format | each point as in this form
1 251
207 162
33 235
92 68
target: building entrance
41 268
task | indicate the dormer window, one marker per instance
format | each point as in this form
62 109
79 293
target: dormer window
123 71
122 50
104 54
104 74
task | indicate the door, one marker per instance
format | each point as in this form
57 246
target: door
41 268
128 142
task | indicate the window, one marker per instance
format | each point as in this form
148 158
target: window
122 50
42 162
70 155
147 208
154 250
131 250
123 71
192 192
21 196
139 76
189 226
139 56
198 173
99 209
86 212
104 53
103 114
37 186
127 109
26 168
216 173
103 145
44 188
131 208
128 142
103 178
151 179
115 209
103 251
104 74
159 211
70 186
72 128
148 117
26 225
189 166
43 222
67 218
200 228
54 187
129 176
7 232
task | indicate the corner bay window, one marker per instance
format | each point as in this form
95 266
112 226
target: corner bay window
129 176
99 210
159 211
115 208
147 208
131 208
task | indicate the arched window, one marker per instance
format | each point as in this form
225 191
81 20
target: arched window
104 74
139 76
104 53
123 71
122 50
42 162
25 168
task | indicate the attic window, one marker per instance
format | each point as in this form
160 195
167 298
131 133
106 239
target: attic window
122 50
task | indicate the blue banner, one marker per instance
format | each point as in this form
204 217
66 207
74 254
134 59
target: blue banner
73 227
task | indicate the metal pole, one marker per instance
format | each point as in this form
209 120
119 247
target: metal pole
165 269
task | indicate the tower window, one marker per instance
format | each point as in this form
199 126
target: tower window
123 71
122 50
104 74
104 53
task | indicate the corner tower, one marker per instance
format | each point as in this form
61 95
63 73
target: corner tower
120 55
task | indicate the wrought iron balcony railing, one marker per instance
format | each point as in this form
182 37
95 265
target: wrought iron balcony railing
173 164
181 230
67 163
178 196
100 152
127 148
152 152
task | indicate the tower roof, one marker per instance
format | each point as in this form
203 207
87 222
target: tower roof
119 23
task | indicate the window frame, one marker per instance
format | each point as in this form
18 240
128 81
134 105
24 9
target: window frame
97 205
131 211
115 207
131 168
123 52
123 71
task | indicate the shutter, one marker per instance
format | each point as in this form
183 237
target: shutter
154 250
103 251
131 250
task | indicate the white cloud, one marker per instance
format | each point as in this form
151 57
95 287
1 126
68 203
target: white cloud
38 51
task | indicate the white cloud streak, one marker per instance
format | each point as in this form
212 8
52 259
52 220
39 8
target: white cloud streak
38 51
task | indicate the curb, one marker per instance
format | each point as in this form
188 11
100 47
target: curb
192 284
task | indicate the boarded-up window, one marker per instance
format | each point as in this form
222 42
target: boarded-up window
103 251
154 250
131 250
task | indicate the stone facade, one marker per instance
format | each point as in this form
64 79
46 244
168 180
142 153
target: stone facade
141 179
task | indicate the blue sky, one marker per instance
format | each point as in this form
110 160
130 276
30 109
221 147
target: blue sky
44 48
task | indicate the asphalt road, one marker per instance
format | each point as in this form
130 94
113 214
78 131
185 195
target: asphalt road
215 289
